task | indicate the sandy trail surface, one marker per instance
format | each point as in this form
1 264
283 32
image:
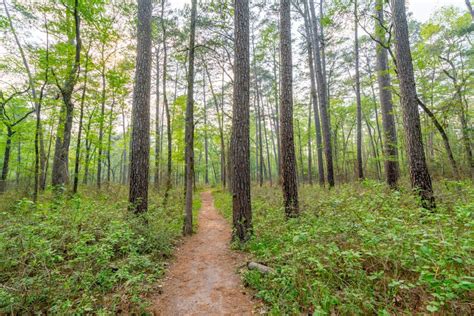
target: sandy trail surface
203 278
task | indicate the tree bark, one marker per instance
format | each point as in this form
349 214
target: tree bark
189 129
322 95
157 121
220 122
165 102
419 175
140 143
288 159
386 102
360 171
206 140
60 173
240 144
6 160
314 96
79 132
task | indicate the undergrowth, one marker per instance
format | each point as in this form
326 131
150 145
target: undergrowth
363 249
84 254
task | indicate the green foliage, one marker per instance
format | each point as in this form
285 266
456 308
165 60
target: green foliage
361 249
84 254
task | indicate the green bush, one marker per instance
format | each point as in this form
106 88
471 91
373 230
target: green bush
363 249
84 254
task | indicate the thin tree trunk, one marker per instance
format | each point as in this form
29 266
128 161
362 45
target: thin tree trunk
314 97
267 147
220 122
63 138
157 121
109 139
79 132
102 119
189 129
386 103
6 160
323 100
310 149
300 150
206 140
360 171
165 101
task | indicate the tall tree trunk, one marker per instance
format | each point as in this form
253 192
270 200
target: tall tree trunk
420 177
300 150
206 140
165 101
310 149
220 122
314 97
109 139
360 171
140 144
288 159
267 147
63 137
39 143
189 129
157 120
102 119
276 117
386 103
322 95
240 147
124 150
6 160
79 132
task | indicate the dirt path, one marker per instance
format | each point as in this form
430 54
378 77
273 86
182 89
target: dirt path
203 279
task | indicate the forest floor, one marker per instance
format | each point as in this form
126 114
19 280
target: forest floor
203 279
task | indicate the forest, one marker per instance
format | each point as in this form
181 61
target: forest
236 157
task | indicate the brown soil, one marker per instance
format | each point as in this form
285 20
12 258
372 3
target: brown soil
203 279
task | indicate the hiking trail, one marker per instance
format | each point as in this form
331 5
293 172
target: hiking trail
203 279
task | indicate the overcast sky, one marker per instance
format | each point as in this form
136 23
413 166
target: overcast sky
422 9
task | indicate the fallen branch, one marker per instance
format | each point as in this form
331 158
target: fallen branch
259 267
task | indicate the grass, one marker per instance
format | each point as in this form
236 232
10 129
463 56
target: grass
84 254
363 249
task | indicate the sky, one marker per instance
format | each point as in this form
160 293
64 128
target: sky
421 9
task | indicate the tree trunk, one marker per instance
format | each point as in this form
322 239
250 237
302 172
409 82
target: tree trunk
288 159
61 153
157 121
323 100
6 160
140 143
165 102
189 129
240 147
310 149
79 132
420 177
101 120
206 140
109 139
267 147
314 97
388 118
360 171
220 122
